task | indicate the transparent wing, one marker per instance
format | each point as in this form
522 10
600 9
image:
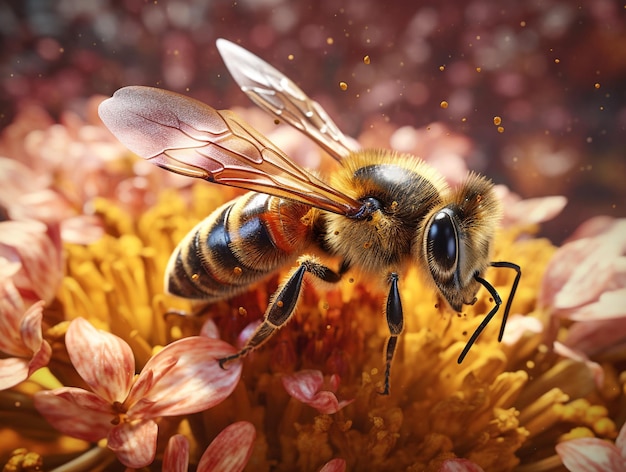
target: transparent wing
277 94
190 138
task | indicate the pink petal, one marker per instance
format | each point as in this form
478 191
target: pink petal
593 227
102 359
40 358
11 314
30 328
230 450
590 455
13 370
38 248
620 442
176 456
185 378
16 179
305 386
567 282
33 339
81 229
534 210
210 329
75 412
581 270
134 443
325 402
8 268
610 306
20 336
459 465
334 465
518 325
576 355
43 205
247 333
593 337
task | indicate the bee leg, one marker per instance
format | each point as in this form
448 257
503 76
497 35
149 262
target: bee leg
283 305
395 321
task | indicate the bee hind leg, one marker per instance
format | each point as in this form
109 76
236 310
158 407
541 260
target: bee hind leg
395 321
283 304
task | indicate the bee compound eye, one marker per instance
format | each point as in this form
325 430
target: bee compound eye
442 240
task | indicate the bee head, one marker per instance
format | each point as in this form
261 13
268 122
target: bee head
457 240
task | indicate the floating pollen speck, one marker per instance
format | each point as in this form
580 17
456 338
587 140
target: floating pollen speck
497 120
343 85
366 60
443 104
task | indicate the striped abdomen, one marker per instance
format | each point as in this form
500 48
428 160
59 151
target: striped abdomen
240 243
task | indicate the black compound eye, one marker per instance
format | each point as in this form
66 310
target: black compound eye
442 240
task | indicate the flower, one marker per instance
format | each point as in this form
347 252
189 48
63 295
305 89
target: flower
21 342
178 380
505 407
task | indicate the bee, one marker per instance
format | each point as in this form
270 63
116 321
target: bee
377 213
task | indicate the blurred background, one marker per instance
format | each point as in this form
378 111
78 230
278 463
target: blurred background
539 87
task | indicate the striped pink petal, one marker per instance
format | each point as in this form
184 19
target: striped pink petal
11 313
590 455
102 359
13 370
38 248
176 456
21 340
334 465
134 443
230 450
184 378
33 338
75 412
306 386
567 282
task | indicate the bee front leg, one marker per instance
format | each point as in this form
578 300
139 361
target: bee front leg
395 321
283 304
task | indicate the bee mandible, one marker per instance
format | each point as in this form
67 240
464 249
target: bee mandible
378 213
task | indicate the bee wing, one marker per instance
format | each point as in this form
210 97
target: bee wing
280 96
190 138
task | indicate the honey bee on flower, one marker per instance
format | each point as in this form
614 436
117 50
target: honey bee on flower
381 212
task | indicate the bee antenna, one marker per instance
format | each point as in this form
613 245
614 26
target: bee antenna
498 301
509 302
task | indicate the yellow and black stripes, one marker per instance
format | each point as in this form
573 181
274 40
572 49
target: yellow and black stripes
237 245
